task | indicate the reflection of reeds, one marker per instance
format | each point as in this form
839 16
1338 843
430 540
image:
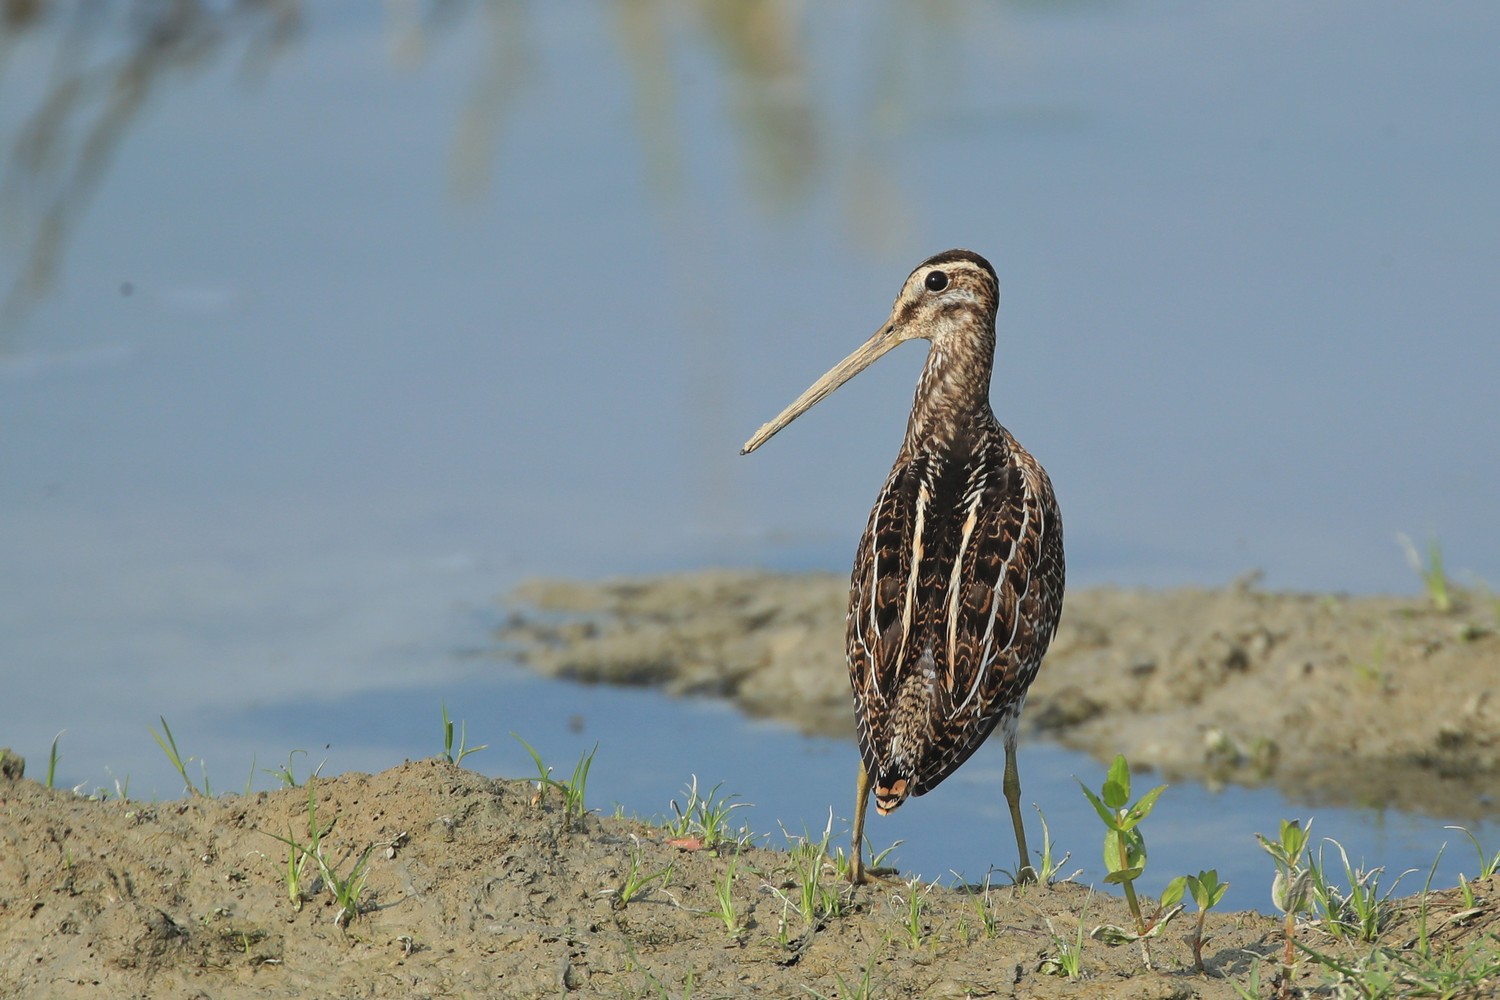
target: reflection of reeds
107 61
96 88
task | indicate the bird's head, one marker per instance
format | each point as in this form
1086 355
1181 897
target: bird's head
947 294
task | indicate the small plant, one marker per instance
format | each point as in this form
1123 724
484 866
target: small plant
724 896
1068 960
707 817
1047 868
346 889
915 908
986 916
1362 910
1206 890
1290 889
635 881
1417 969
297 854
816 900
169 747
287 775
52 758
463 738
1488 864
1434 580
572 790
1125 853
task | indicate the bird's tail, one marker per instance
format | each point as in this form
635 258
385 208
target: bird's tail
890 791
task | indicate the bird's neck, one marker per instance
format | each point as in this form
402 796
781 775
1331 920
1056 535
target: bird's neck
954 390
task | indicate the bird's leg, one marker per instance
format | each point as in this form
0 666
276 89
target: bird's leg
1024 872
857 865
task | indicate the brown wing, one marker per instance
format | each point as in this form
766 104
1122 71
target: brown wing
981 524
1003 608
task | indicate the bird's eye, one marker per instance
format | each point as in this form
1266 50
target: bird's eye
937 281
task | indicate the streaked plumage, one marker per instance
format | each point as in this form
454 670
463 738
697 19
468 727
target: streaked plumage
958 581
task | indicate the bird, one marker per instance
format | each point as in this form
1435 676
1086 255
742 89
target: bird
957 586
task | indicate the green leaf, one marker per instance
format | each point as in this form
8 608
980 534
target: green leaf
1172 894
1207 889
1124 875
1143 808
1116 851
1275 850
1112 935
1294 838
1119 772
1105 813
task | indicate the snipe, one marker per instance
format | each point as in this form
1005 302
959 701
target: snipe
958 581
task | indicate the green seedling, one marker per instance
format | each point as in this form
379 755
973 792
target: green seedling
914 908
1206 890
842 862
169 747
1125 853
1434 580
1469 972
816 899
636 882
1291 889
1417 969
724 896
298 854
707 817
1361 910
1068 960
463 738
987 919
287 775
346 889
572 790
1488 864
1047 868
52 758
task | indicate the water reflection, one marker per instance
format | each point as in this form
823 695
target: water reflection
107 62
99 66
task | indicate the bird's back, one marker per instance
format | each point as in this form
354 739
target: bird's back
956 593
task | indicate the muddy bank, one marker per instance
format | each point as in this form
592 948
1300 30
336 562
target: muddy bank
1336 700
479 887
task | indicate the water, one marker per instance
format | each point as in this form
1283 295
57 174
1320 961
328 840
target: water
349 324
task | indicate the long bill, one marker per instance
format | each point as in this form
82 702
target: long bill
865 355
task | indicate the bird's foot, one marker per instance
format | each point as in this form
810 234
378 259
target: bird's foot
860 875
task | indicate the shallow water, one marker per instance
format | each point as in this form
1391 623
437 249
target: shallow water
351 324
